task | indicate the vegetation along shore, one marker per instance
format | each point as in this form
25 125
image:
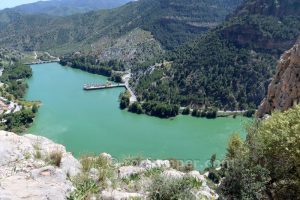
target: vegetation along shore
89 74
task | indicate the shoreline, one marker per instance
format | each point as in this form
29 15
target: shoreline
133 99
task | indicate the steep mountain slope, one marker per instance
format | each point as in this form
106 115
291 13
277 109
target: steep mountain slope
264 25
230 66
171 22
269 8
67 7
131 49
284 90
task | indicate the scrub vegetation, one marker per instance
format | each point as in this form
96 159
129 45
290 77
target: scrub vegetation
266 164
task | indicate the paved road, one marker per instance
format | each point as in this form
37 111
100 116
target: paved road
126 79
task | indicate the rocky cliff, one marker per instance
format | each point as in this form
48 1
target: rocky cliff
284 90
35 168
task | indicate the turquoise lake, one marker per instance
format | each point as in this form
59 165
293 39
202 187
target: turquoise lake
91 121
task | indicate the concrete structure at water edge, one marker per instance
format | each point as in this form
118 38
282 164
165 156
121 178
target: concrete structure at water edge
99 86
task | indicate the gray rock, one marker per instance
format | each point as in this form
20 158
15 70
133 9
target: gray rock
23 176
119 195
198 176
148 164
70 165
127 171
106 156
172 173
22 187
162 164
94 174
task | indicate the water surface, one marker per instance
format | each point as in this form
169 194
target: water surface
91 122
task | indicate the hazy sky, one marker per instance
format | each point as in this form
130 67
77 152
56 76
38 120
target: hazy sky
13 3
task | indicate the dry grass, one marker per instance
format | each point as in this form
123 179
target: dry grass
55 158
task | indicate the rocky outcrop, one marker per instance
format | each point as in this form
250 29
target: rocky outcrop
27 171
284 90
135 181
35 168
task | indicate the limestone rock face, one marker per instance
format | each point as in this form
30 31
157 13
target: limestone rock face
26 172
284 90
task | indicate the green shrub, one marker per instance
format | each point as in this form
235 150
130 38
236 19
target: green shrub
180 166
214 176
37 154
116 78
134 161
153 172
85 188
188 167
186 111
124 100
167 188
135 108
132 177
34 108
212 114
55 158
267 164
97 162
249 113
196 113
87 163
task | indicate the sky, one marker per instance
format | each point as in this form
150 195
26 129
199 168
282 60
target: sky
13 3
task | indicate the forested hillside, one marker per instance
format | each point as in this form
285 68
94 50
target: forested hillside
229 67
67 7
171 22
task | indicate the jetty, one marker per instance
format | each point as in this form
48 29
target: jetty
99 86
107 85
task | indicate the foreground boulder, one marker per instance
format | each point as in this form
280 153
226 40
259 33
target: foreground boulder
29 169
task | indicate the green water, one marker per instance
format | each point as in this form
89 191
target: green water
91 122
